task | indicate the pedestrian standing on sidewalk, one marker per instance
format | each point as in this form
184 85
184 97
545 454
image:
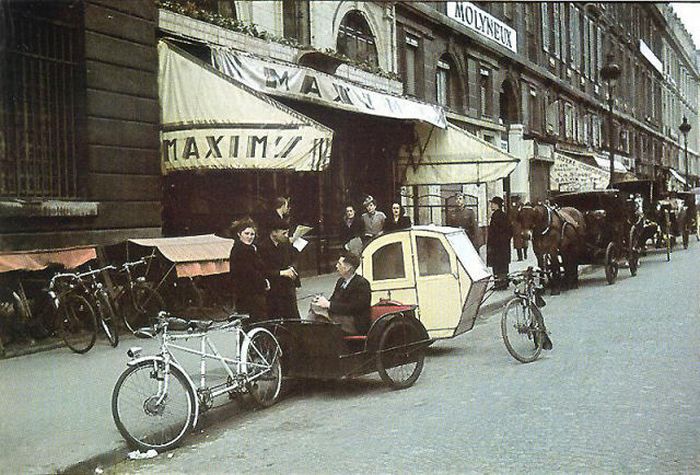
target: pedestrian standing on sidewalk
521 236
279 209
498 244
279 258
398 218
246 271
351 226
373 220
461 216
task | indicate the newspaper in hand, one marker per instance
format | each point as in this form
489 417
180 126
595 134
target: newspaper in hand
299 232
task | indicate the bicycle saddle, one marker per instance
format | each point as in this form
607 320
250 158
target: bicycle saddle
181 324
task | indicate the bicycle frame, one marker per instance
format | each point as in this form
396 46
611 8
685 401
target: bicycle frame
238 378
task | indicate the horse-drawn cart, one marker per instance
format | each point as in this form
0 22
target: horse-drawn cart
610 236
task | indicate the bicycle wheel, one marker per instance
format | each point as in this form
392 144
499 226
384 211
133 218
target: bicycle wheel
399 360
143 308
521 327
77 323
108 318
147 418
263 367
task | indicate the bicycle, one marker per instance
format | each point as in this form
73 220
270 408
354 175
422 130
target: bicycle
102 302
522 324
136 300
155 402
77 323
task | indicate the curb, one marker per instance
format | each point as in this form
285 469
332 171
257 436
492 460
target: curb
104 460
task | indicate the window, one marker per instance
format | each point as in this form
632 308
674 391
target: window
485 102
42 100
442 82
355 39
296 20
411 58
387 262
433 258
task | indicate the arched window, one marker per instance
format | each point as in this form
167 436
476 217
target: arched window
355 39
447 90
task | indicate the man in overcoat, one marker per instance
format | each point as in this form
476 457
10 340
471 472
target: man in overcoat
498 244
279 259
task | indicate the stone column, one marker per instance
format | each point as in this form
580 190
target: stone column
520 148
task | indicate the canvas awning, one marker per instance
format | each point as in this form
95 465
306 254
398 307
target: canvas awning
298 82
205 254
677 176
42 258
604 163
211 122
452 156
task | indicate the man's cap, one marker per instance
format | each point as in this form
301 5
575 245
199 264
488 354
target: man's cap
497 200
368 200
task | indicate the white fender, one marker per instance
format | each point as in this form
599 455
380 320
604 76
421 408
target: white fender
137 361
246 343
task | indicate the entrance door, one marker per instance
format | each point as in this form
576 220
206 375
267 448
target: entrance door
437 285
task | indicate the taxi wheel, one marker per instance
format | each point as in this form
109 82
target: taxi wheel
399 360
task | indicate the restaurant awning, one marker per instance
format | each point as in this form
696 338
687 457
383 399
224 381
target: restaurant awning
302 83
212 122
604 163
677 176
42 258
205 254
452 156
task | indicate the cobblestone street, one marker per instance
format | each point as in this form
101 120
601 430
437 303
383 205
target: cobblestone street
619 393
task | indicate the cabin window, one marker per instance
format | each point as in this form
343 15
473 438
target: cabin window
387 262
433 258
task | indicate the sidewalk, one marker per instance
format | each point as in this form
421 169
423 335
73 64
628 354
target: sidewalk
55 414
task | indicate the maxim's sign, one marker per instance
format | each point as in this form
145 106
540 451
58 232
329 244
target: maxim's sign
484 24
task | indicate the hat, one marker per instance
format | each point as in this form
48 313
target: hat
497 200
367 201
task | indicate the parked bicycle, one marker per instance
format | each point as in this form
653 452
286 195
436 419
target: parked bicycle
76 321
137 301
155 402
522 324
102 302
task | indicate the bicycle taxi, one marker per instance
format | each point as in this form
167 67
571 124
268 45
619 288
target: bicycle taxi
427 283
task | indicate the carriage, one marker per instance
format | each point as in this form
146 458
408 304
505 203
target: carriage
658 213
611 236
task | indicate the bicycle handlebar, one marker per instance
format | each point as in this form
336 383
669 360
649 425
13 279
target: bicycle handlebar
524 273
127 265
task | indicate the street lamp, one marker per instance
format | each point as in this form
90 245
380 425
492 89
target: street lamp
610 73
685 128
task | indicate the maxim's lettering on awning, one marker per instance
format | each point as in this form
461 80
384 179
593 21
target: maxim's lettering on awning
481 22
227 125
231 148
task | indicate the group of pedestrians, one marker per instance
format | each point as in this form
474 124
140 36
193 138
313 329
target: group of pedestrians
356 231
264 276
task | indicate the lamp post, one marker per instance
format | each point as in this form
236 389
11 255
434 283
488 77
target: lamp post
685 128
610 73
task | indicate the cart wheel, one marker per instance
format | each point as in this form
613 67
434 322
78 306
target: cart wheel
610 263
400 355
633 253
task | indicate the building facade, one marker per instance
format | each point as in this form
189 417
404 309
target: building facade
79 133
529 74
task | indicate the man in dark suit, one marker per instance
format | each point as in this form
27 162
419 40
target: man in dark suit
279 257
498 244
350 303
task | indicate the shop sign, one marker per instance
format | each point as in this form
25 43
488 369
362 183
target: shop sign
301 83
484 24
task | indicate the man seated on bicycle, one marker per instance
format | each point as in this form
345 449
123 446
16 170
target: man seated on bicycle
350 303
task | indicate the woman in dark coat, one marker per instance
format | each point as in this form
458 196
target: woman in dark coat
247 274
498 244
397 220
351 225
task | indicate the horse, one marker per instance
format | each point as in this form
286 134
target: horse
556 234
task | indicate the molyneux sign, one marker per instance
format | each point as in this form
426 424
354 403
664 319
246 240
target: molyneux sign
484 24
